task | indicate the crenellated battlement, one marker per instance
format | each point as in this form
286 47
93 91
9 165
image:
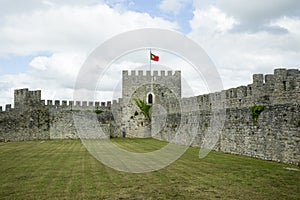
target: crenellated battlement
8 108
147 73
79 105
282 80
273 136
25 99
281 87
133 80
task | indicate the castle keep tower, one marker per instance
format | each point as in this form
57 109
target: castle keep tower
131 82
154 89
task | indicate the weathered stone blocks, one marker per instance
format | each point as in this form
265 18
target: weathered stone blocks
275 136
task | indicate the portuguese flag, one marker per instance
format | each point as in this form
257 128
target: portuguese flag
154 57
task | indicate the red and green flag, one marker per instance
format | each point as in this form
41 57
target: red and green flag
154 57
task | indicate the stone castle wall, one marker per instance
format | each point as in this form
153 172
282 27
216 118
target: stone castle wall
31 118
275 135
25 125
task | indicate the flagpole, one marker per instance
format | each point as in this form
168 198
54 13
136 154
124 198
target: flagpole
151 89
150 60
150 71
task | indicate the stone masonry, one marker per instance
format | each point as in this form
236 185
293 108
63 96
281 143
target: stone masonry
275 135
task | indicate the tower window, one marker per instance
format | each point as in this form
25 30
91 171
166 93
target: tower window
150 99
284 85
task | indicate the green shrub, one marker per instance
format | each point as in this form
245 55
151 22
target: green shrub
255 112
144 107
99 111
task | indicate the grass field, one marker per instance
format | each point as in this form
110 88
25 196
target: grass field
62 169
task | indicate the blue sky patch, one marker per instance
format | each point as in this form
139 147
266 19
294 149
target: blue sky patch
183 17
15 64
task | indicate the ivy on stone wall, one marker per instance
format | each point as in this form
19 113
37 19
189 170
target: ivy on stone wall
255 112
99 111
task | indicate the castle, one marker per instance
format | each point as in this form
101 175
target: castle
259 120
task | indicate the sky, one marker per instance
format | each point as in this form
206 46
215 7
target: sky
44 43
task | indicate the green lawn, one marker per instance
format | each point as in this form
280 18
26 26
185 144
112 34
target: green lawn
62 169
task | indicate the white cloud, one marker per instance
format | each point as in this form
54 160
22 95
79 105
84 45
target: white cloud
256 15
55 75
69 28
257 9
291 24
69 33
172 6
238 55
39 62
59 69
212 20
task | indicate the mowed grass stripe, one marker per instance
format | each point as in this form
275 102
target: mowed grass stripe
62 169
138 145
38 166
